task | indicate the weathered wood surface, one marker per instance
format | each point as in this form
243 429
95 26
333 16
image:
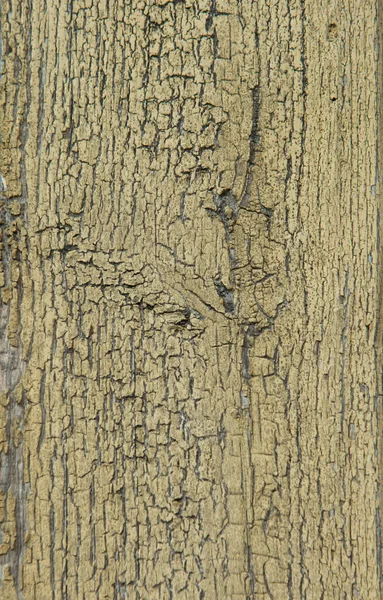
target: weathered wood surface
190 344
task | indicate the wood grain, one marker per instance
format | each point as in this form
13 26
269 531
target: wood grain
190 331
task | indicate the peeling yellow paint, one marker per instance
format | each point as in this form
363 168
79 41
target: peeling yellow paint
189 276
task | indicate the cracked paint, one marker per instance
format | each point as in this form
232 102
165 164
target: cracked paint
189 282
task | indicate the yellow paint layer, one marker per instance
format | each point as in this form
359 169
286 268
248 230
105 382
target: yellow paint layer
189 328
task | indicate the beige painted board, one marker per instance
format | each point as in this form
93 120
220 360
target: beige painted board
190 333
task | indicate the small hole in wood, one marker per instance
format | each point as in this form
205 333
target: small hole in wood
332 31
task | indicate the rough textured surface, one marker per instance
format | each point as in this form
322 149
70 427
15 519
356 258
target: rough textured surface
190 342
